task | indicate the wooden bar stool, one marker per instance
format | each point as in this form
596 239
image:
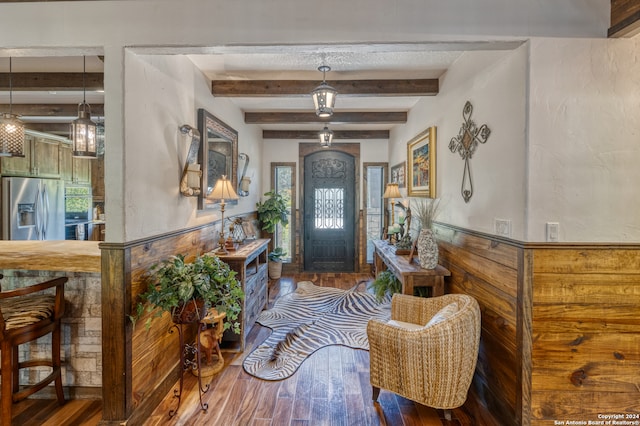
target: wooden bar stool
27 314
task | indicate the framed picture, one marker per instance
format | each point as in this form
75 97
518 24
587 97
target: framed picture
398 173
421 170
249 231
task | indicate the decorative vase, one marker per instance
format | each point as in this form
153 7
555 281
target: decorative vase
427 249
188 312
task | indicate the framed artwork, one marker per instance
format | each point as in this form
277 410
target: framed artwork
249 231
398 173
421 170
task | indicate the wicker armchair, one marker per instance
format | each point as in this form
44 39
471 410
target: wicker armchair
424 357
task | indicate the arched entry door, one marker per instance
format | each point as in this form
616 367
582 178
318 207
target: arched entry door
329 212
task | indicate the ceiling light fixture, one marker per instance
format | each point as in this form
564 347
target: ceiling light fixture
324 96
11 129
326 136
83 130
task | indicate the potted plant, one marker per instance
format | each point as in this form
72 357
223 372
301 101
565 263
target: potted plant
188 289
385 283
275 262
274 210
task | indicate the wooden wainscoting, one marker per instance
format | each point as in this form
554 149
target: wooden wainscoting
560 326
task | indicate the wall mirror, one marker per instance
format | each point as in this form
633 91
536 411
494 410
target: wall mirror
218 156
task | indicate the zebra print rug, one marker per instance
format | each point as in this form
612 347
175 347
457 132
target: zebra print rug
308 319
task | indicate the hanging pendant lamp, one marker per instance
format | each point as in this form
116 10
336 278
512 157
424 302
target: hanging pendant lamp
324 96
11 128
83 130
326 136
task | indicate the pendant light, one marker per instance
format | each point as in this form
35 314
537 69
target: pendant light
83 130
326 136
11 128
324 96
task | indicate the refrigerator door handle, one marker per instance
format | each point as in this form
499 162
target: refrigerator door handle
45 211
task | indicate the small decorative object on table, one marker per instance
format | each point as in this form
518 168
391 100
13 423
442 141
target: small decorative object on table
426 210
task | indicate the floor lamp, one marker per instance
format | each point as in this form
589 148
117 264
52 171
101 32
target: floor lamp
392 191
223 190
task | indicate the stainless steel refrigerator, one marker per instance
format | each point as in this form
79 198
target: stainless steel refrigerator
32 209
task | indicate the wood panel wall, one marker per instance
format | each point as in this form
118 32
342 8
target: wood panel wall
141 365
625 18
560 326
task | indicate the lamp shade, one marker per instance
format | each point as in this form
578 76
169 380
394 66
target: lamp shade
392 191
223 190
326 136
11 136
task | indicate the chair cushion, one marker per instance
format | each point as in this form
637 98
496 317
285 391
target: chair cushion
405 325
443 314
26 310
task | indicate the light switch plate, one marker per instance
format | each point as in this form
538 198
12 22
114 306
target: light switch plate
502 227
553 232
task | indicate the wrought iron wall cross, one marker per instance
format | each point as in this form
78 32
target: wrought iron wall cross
466 143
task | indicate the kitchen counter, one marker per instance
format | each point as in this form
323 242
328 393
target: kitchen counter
68 255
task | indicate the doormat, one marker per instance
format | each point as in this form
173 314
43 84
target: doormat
311 318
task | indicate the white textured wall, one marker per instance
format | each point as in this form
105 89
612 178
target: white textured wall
163 92
495 84
584 152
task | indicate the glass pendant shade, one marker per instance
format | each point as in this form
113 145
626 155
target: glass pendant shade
324 96
11 136
11 129
326 136
83 133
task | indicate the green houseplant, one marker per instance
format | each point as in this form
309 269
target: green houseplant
275 262
385 283
272 211
175 286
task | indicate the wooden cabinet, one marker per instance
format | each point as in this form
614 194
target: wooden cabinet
18 166
250 262
72 169
97 179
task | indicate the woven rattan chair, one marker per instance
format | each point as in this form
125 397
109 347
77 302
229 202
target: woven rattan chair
27 314
426 353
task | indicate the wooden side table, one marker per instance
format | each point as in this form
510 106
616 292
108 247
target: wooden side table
410 274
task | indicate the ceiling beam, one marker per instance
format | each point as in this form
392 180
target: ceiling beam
274 88
52 81
50 110
53 128
625 18
399 117
337 134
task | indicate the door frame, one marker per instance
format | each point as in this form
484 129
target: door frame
353 149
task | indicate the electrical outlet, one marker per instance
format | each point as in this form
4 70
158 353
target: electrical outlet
502 227
553 232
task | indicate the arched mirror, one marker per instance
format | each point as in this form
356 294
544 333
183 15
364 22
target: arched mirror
218 155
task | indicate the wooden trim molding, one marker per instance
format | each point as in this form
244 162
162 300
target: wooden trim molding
625 18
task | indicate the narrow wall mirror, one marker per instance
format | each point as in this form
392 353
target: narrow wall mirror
218 155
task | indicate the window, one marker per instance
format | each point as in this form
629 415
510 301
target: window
283 182
374 177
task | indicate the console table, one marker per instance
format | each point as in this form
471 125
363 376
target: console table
409 274
250 262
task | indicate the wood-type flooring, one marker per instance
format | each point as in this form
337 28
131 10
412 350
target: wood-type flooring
330 388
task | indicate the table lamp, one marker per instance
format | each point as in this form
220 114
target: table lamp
392 191
223 190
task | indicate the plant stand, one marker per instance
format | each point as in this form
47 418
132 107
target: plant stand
186 351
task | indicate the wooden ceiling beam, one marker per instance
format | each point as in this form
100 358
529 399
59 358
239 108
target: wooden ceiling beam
51 81
398 117
50 110
625 18
337 134
61 129
275 88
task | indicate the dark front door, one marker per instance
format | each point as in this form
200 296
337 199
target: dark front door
329 212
